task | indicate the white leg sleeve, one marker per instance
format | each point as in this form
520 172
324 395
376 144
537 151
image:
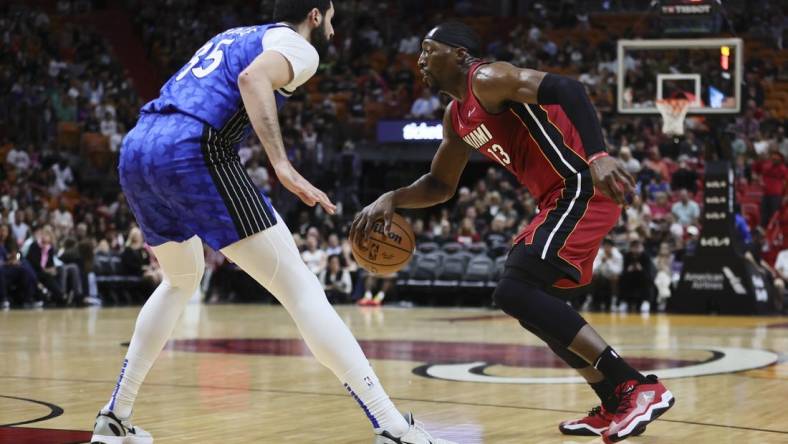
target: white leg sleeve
182 264
272 259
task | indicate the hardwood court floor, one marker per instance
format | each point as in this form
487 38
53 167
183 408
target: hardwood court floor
239 374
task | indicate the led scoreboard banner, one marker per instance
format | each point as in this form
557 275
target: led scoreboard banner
409 131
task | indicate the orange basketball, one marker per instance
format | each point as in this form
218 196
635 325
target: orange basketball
386 253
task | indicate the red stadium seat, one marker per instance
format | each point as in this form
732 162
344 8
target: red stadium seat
67 135
95 147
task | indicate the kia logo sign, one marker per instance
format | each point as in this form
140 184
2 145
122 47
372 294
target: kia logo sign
715 242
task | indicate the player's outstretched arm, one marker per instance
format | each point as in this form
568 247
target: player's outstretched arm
257 83
437 186
499 83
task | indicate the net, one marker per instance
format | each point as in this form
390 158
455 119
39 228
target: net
673 113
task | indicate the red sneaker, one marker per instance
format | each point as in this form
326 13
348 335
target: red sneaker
640 403
594 424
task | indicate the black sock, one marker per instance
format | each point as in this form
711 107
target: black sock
604 390
615 369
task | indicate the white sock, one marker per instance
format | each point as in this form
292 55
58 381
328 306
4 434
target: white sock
182 264
271 258
364 386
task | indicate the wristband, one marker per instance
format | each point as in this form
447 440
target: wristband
598 155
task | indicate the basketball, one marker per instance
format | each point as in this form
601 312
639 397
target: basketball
386 253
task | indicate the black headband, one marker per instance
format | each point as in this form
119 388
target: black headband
457 35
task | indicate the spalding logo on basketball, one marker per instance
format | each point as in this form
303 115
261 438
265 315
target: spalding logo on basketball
386 253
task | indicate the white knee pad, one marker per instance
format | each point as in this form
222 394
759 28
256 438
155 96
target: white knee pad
183 264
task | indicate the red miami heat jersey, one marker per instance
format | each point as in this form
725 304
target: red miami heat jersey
543 149
537 143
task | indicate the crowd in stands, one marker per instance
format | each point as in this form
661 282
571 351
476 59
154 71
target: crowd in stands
61 212
67 227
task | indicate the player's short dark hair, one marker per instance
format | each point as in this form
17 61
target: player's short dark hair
295 11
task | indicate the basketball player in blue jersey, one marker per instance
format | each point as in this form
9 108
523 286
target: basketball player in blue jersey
182 176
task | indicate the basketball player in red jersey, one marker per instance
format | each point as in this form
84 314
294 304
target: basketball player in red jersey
542 128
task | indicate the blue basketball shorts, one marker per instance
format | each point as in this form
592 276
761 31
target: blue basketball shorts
181 179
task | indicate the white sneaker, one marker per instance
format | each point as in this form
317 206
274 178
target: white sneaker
5 305
92 300
623 307
645 307
415 435
111 430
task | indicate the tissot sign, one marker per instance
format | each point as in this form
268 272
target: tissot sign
686 9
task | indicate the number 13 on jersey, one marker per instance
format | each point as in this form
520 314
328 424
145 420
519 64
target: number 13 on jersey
500 155
214 56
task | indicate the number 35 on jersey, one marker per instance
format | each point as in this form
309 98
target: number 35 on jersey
214 55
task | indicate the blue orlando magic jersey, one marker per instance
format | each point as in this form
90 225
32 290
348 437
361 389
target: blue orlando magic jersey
206 88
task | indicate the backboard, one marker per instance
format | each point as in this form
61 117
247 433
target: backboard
708 72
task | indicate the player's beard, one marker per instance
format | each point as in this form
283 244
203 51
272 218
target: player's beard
432 83
319 39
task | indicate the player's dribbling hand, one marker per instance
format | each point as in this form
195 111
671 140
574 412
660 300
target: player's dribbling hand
308 193
610 177
362 224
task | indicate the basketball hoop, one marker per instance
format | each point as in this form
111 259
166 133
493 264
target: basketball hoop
673 113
